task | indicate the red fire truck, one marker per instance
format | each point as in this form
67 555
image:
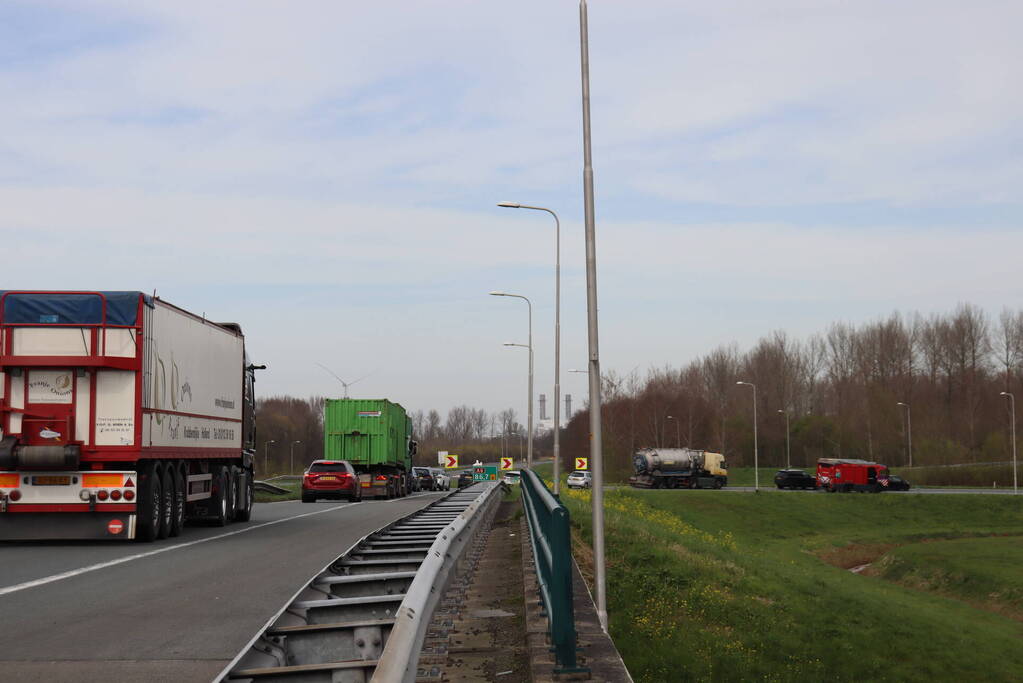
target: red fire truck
121 416
845 475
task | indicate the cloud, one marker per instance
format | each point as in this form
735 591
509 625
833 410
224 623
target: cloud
325 172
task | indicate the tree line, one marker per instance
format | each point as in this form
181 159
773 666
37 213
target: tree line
289 434
841 390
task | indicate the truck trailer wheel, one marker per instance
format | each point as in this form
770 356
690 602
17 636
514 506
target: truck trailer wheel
150 503
177 489
245 512
221 498
167 504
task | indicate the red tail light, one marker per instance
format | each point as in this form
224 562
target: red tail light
381 477
102 495
115 495
129 495
14 495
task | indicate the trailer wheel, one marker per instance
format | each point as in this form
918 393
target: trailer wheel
177 480
245 513
150 494
717 484
232 492
220 499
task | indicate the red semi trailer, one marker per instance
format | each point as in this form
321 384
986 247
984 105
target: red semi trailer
121 416
836 474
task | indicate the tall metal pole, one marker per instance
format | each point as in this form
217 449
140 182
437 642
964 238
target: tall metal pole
293 455
596 446
1012 407
557 336
529 447
909 432
788 441
266 457
756 448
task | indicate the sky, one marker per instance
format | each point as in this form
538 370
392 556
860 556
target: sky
327 173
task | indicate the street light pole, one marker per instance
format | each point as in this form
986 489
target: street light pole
293 455
266 461
678 438
909 432
596 445
529 447
557 336
788 441
756 461
1012 407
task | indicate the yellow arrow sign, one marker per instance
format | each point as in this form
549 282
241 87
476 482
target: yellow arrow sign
582 463
450 461
507 464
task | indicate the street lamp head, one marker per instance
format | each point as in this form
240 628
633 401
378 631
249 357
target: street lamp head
745 383
670 417
510 205
1004 393
498 294
903 404
782 412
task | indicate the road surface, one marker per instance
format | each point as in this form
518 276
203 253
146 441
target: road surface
174 610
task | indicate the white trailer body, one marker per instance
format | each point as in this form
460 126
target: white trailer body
120 416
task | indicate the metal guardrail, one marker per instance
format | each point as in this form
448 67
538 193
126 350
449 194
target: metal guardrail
552 553
400 657
364 616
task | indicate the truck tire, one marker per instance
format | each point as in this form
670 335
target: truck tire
232 492
177 479
219 501
245 513
717 484
150 493
167 504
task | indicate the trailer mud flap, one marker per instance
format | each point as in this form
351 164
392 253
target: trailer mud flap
65 526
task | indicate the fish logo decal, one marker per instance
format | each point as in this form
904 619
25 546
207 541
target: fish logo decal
48 433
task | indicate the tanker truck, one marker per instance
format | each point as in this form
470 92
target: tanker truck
678 468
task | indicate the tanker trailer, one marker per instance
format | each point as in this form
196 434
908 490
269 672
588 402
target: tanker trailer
673 468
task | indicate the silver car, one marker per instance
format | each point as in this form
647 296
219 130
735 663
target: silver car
580 479
442 482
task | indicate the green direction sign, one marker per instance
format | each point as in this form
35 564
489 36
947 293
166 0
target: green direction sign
484 473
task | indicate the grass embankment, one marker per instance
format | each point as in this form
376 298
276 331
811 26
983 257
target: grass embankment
970 476
985 572
294 492
734 586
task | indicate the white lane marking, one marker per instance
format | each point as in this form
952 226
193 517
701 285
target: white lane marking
103 565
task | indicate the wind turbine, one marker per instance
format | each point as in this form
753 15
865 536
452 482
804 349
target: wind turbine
344 383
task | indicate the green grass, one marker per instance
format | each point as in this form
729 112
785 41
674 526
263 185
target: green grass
294 488
973 476
986 572
732 586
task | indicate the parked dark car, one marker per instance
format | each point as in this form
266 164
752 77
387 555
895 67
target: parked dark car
331 479
465 478
424 478
795 479
897 483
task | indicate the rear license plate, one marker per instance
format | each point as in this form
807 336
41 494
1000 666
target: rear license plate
59 480
328 478
366 484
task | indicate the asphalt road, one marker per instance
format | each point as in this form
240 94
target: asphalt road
174 610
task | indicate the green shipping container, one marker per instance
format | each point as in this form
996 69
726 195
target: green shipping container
369 433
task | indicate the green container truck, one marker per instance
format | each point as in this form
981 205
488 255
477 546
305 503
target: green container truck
375 436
